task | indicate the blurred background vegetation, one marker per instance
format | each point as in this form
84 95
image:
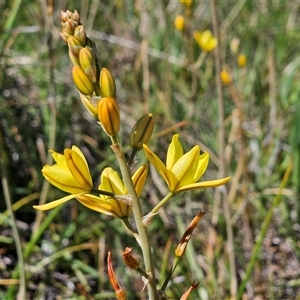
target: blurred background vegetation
153 63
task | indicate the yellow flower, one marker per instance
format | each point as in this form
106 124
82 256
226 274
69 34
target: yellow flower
111 185
70 174
242 60
225 77
206 40
111 182
179 23
182 171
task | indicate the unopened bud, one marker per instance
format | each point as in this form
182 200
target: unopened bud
80 34
87 63
180 250
120 293
225 77
82 81
242 60
141 132
109 115
74 45
179 23
129 260
107 84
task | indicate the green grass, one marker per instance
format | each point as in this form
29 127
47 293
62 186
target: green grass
66 257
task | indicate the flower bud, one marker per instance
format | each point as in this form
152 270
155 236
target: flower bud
187 3
206 40
87 63
141 132
242 60
107 84
109 115
179 23
129 260
74 45
82 81
80 34
225 77
180 250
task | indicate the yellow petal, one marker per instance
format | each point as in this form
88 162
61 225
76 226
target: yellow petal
202 166
79 169
111 182
204 184
211 45
160 167
139 178
186 166
55 203
59 158
97 204
61 177
175 151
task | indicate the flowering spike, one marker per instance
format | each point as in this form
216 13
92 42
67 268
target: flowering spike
109 115
107 84
120 293
82 81
180 250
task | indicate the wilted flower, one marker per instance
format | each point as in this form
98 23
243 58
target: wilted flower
182 171
206 40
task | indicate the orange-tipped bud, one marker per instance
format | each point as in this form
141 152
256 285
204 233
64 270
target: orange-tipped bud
120 293
180 250
187 293
107 84
87 63
80 34
141 132
242 60
82 81
225 77
179 23
129 260
109 115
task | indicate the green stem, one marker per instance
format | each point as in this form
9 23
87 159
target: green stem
263 231
162 203
138 215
